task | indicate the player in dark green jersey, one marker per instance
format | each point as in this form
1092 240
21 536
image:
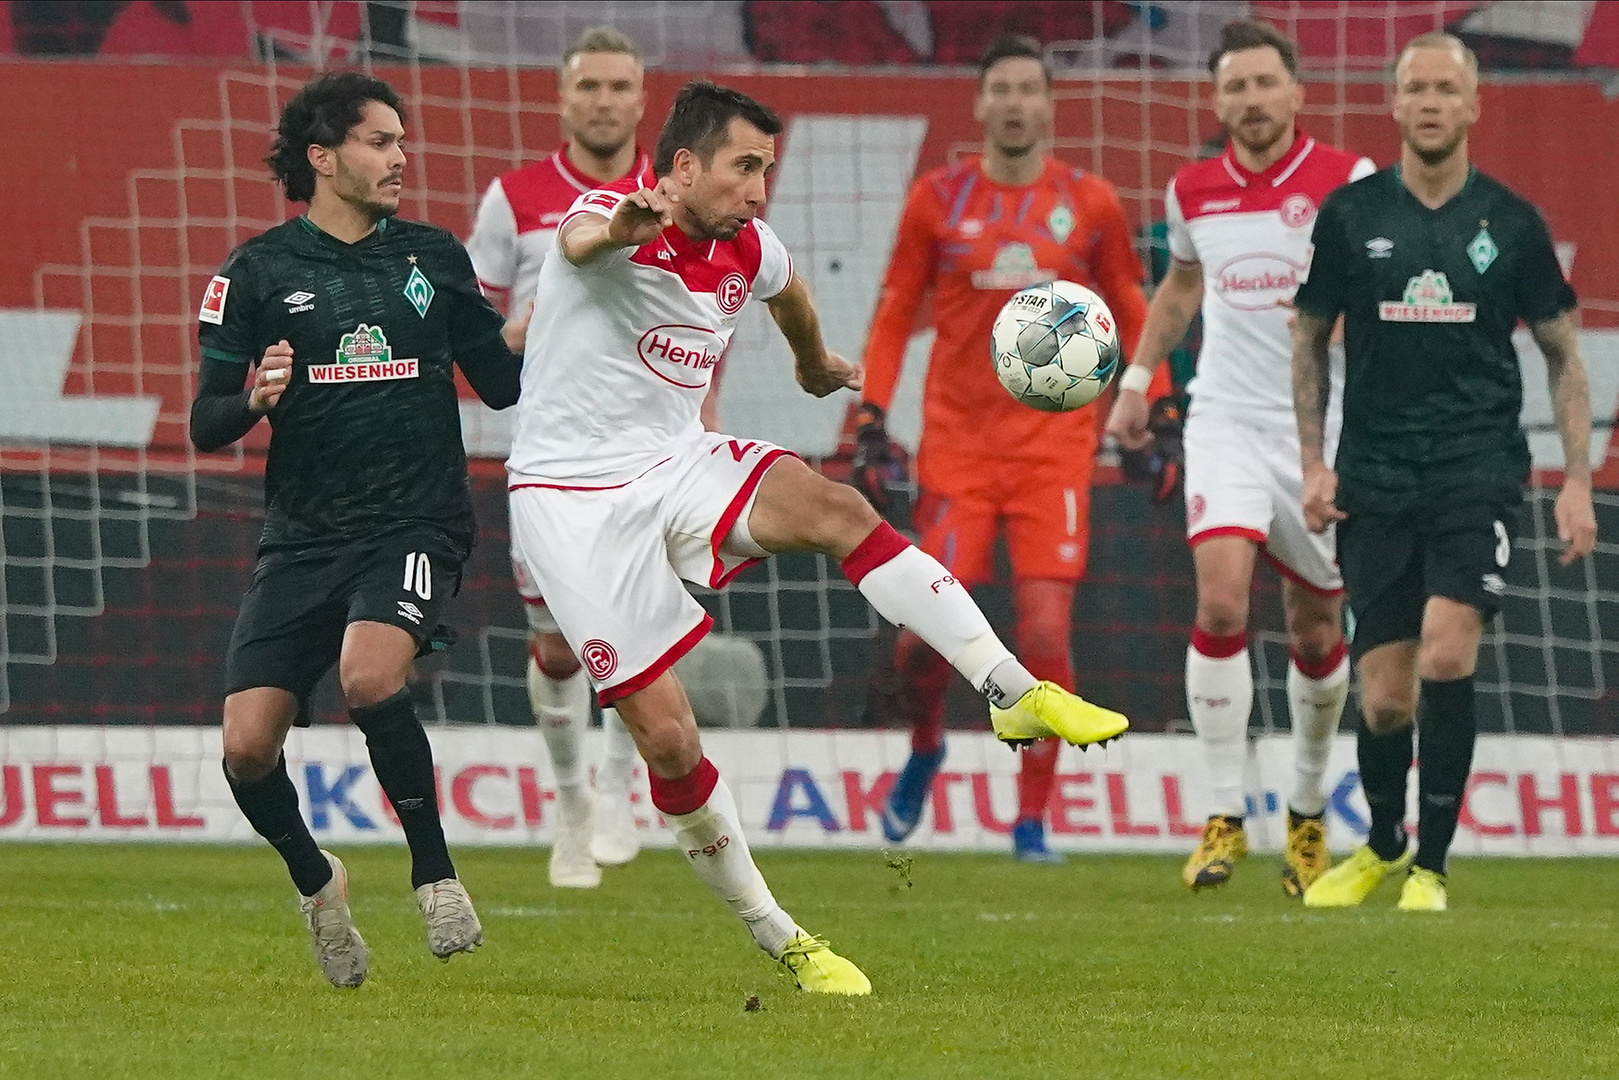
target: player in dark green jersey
346 324
1432 265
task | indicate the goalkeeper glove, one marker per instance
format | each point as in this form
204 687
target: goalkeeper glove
1158 464
879 469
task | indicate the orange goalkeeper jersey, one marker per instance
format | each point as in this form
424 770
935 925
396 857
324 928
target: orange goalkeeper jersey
974 243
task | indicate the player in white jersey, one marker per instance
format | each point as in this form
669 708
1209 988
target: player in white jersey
1239 236
618 492
600 103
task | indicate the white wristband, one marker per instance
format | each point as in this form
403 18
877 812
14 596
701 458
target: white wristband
1136 378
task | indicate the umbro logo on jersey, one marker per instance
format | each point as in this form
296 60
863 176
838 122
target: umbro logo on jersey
410 611
299 301
1379 247
663 253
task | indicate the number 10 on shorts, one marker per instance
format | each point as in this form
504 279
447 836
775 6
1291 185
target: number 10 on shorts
418 575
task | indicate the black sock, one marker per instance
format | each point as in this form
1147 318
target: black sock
403 761
270 805
1385 763
1448 733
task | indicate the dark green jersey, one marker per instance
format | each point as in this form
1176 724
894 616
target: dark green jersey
367 436
1432 387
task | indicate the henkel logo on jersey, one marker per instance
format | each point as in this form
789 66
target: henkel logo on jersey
363 356
1257 282
1428 299
682 355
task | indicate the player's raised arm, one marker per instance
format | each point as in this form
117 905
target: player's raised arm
819 371
1571 406
635 220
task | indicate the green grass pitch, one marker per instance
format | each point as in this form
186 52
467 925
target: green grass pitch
150 961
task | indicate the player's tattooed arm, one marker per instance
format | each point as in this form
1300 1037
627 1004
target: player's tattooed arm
1571 406
1312 386
819 371
1170 312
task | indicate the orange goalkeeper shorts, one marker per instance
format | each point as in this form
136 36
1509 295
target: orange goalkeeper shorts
1045 515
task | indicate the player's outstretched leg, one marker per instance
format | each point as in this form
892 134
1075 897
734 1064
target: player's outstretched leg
256 723
924 678
559 694
708 829
402 758
613 841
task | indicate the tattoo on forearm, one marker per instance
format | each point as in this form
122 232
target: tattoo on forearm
1570 391
1312 383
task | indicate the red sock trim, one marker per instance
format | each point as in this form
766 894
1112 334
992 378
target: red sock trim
688 793
1218 648
883 544
549 673
1320 669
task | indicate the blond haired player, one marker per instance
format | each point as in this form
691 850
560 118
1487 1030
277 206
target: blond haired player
1239 235
600 102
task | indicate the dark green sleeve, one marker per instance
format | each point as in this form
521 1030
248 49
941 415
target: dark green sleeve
1323 293
227 327
1542 293
492 370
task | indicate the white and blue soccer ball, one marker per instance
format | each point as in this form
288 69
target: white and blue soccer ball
1055 346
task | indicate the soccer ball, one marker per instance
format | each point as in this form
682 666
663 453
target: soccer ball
1055 346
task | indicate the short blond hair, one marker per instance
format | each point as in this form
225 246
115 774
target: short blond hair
1439 39
601 39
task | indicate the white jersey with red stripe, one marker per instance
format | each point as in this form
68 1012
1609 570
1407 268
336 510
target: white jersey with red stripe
1250 232
620 351
516 228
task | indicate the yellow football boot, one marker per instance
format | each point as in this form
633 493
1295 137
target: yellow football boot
1423 890
1224 843
1351 881
816 968
1306 856
1049 710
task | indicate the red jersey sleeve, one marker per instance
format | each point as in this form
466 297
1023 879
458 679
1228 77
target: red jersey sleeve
1115 266
910 275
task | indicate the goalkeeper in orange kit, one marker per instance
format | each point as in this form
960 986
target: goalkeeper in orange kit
974 233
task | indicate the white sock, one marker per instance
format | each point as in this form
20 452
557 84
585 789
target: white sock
619 755
561 711
1315 706
1219 696
711 837
912 589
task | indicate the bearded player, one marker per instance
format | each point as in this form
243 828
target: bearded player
601 101
1239 236
974 233
618 493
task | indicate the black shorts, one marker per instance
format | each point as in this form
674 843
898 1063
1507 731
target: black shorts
290 628
1392 564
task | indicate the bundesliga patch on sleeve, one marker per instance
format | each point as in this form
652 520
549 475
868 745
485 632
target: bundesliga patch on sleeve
213 301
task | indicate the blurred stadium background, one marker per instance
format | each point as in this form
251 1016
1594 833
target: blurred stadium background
135 138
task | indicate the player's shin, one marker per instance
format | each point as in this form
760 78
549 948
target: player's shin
1448 734
402 758
1316 690
912 589
562 712
1385 765
619 755
270 805
708 829
1219 697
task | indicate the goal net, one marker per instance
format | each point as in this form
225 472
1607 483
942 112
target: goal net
124 550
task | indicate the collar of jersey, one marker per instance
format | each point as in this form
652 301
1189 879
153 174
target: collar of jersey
570 172
680 244
1399 180
315 230
1045 170
1277 170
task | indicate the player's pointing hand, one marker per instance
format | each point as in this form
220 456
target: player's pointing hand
640 218
270 379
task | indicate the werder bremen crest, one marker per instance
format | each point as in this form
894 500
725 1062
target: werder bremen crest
364 345
419 291
1482 250
1061 223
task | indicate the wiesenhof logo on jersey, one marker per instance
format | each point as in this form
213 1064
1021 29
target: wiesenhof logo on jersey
364 356
1258 282
682 355
1014 268
1428 299
731 293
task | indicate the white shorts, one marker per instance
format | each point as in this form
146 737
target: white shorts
609 561
1244 479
